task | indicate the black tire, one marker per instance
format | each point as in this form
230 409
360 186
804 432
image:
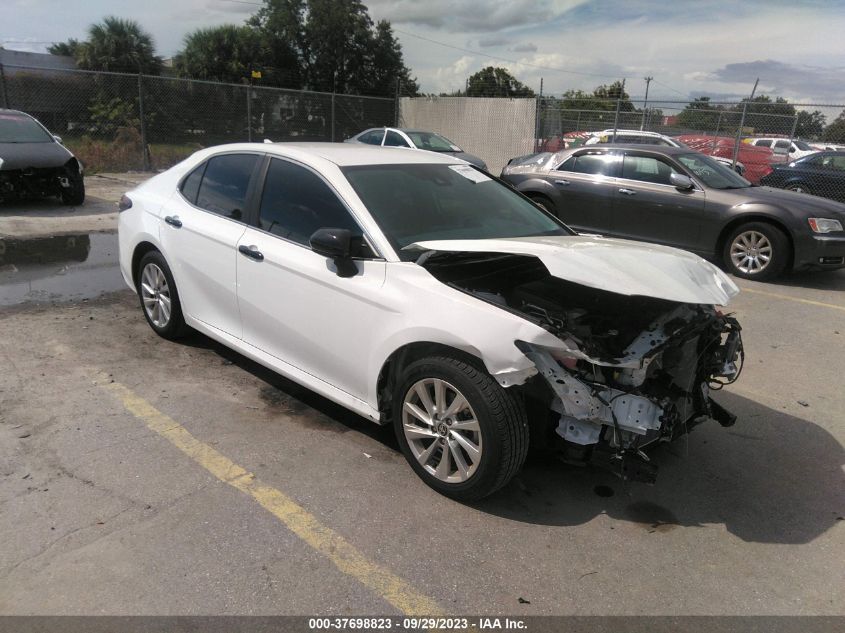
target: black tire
501 417
542 201
74 195
175 326
781 251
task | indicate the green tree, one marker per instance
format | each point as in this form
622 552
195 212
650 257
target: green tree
68 49
281 26
496 82
835 132
765 116
701 114
339 38
810 124
118 45
226 53
612 93
387 65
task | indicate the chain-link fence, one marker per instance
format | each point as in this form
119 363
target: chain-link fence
122 122
758 139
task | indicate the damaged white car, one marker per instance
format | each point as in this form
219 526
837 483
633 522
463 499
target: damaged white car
420 292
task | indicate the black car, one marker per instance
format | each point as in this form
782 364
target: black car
34 163
820 174
677 197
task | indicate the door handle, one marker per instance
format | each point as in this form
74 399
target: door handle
173 220
251 253
628 192
562 183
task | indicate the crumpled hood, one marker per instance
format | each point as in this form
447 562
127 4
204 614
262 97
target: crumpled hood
37 155
621 266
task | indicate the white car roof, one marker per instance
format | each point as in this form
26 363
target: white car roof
341 154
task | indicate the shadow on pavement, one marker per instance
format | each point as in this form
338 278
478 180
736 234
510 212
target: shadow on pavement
771 478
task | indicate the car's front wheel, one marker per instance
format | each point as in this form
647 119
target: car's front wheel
159 298
756 250
461 432
74 194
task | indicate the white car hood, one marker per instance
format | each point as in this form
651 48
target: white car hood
621 266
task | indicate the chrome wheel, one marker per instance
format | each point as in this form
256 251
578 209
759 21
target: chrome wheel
751 252
155 293
442 430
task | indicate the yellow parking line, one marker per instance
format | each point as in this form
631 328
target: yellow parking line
796 299
298 520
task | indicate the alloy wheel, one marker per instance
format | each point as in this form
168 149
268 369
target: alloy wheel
155 293
442 430
751 252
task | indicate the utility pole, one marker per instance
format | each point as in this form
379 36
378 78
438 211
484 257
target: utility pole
618 107
648 80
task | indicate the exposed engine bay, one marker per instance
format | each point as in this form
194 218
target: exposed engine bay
632 371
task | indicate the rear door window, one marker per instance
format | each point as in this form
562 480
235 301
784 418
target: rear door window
191 185
591 163
225 183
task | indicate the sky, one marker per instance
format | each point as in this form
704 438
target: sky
690 48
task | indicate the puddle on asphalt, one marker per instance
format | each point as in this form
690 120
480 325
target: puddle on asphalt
58 268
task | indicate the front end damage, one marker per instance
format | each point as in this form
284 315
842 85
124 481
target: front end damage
630 371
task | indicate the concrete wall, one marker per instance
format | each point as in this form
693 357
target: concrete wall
492 129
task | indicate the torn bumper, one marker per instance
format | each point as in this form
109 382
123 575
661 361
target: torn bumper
657 391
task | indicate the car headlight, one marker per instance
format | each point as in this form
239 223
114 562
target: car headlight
824 225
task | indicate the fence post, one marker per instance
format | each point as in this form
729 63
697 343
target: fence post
145 157
616 119
397 103
3 92
333 115
249 112
538 107
794 128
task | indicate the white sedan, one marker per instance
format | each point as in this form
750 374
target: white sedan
420 292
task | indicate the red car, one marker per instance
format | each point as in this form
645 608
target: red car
757 160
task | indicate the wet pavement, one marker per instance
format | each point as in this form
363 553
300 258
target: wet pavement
58 268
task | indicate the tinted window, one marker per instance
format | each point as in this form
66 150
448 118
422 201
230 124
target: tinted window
296 202
594 164
646 169
372 137
782 144
763 143
834 162
224 184
191 185
418 202
18 128
713 173
394 140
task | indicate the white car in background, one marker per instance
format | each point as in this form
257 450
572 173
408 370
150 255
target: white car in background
793 149
418 291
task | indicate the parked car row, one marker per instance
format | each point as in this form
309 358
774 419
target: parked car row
677 197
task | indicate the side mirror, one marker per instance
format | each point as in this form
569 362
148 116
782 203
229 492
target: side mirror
57 138
336 245
681 182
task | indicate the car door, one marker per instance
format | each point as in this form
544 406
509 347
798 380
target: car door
831 180
199 235
294 305
648 207
583 189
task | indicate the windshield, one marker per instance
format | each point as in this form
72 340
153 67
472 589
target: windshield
18 128
432 142
804 147
415 203
712 173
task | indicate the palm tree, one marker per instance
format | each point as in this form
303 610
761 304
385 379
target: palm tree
120 46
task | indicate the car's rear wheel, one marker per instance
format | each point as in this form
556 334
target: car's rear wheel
756 250
74 194
544 202
461 432
159 298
